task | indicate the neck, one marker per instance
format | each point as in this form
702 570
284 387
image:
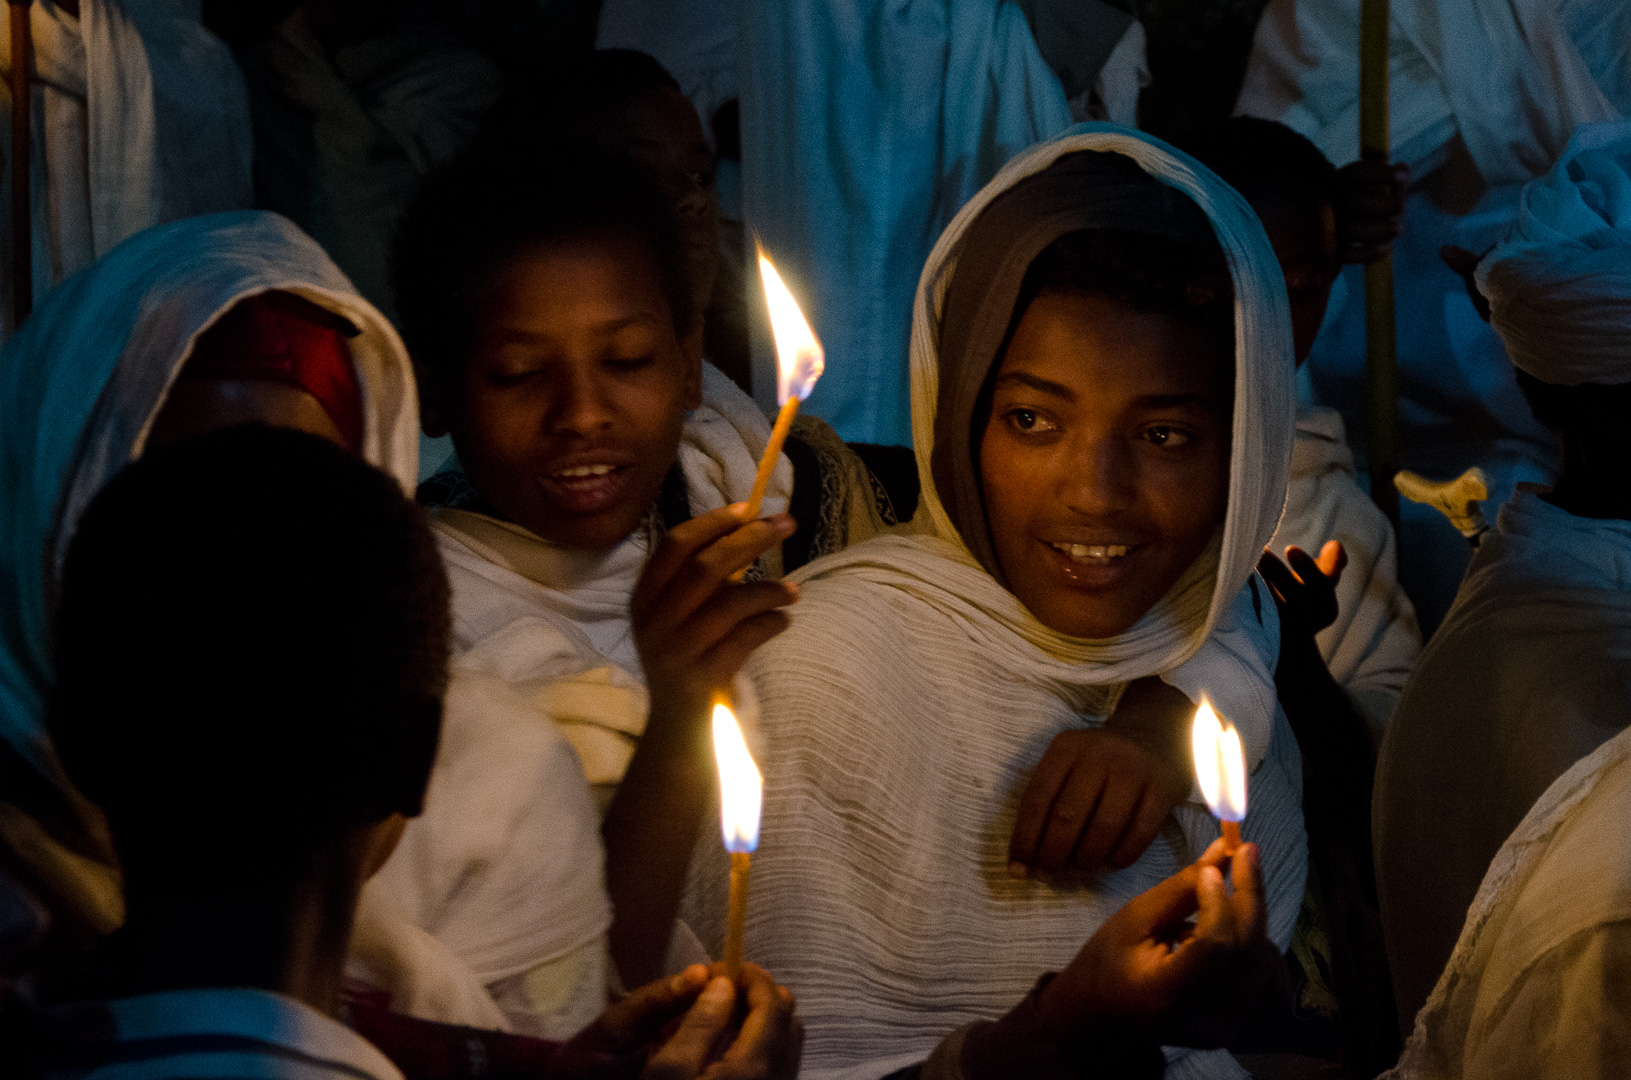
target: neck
1594 483
288 935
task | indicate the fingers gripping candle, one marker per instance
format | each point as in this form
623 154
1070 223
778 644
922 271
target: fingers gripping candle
741 797
1220 770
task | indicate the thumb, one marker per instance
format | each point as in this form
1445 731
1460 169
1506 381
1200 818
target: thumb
686 1053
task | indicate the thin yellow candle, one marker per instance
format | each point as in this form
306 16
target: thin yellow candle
741 799
1220 770
799 363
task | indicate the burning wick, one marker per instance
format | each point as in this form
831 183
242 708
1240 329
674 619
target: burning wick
741 797
799 363
1220 770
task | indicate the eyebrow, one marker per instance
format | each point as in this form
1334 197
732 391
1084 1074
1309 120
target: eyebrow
1172 401
1041 386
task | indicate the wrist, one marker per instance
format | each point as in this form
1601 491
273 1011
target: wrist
1081 1045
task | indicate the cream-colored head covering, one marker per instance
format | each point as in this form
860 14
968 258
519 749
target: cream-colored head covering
1559 285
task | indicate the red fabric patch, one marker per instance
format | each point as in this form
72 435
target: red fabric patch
281 337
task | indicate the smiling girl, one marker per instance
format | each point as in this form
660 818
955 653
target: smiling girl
1102 415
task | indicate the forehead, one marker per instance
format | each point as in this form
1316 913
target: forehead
592 280
1106 353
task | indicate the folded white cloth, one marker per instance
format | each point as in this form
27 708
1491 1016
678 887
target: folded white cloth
1559 285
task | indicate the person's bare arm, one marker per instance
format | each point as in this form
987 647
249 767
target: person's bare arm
695 628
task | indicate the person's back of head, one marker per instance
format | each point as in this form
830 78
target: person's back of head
252 647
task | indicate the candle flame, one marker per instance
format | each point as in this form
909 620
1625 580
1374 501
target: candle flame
799 358
1220 764
741 788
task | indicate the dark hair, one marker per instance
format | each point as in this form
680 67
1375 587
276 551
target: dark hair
1265 159
573 99
1185 279
484 208
251 649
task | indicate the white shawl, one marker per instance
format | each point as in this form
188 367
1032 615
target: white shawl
1526 994
82 382
1513 77
912 696
139 117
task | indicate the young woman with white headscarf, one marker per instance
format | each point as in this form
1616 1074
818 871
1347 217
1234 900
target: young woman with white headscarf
235 318
915 691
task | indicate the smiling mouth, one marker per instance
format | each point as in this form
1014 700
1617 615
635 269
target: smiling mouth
1092 554
583 472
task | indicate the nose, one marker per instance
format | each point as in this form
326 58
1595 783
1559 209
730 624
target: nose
578 405
1100 476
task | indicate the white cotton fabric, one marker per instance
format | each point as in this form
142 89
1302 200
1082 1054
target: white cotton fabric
1530 672
1559 285
139 117
912 695
500 875
1535 987
1373 643
1513 77
936 95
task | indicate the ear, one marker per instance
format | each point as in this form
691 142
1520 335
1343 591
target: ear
691 349
433 418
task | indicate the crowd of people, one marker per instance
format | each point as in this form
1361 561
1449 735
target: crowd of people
376 460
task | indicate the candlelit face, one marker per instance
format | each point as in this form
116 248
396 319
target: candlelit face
569 406
1105 460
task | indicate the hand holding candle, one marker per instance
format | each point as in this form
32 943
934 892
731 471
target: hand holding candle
1220 770
741 797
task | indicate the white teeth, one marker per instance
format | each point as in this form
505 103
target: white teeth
1092 553
583 472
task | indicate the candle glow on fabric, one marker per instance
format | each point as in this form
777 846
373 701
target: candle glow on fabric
799 357
1220 764
741 786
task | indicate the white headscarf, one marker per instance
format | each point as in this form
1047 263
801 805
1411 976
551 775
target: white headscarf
81 383
1226 633
1559 285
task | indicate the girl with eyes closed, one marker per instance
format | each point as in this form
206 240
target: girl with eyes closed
1102 395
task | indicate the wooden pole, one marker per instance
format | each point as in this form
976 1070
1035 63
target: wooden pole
1381 342
22 210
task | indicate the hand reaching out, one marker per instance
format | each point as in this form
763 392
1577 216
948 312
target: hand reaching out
1148 975
1304 588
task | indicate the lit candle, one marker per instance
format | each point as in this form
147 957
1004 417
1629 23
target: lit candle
741 797
1220 769
799 363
